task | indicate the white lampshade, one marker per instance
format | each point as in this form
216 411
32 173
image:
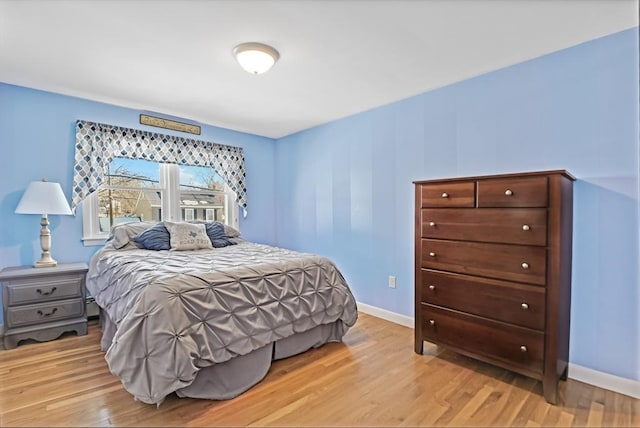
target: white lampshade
43 197
256 58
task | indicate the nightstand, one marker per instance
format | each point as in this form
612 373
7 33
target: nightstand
43 303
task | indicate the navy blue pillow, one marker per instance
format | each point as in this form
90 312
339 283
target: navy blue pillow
216 234
155 238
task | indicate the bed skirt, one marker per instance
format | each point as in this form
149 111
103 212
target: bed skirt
231 378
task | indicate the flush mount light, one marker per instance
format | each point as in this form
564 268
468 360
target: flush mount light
256 58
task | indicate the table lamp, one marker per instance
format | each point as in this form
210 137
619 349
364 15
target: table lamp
44 197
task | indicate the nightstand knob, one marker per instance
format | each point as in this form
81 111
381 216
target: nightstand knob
432 224
508 192
445 195
526 227
523 348
525 265
432 287
524 306
432 322
432 254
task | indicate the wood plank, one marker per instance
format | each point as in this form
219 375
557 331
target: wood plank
372 379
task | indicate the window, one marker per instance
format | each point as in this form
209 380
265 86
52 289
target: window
131 193
202 194
139 190
188 214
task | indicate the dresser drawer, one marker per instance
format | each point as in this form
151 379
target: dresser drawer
508 344
513 192
34 290
19 316
449 194
525 226
504 301
511 262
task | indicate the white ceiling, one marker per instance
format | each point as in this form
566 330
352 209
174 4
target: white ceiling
337 57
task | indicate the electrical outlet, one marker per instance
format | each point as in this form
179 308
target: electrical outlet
392 281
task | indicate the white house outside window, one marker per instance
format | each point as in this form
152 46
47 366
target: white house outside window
138 190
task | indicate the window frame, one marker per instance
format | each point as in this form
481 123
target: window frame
189 212
170 195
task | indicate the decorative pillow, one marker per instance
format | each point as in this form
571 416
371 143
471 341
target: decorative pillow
155 238
122 234
217 235
187 236
231 232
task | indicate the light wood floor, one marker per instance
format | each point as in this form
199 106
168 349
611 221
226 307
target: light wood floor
372 379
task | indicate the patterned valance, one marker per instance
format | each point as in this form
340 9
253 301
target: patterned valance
98 144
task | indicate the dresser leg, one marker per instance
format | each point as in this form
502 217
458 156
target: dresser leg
565 373
550 391
419 346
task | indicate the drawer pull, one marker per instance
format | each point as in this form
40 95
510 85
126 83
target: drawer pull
524 306
508 192
432 224
46 293
526 227
432 254
525 265
523 348
445 195
432 287
432 323
48 314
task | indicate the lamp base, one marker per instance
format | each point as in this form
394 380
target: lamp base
44 262
45 243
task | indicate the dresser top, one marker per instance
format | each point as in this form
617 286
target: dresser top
510 175
30 271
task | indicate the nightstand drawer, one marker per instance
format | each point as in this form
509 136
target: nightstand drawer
36 290
46 312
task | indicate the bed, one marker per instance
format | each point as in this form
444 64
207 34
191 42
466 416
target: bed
207 322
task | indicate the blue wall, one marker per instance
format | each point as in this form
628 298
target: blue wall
346 187
37 136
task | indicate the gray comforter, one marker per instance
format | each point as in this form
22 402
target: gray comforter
180 311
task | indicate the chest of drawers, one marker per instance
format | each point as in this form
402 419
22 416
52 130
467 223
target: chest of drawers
43 303
493 270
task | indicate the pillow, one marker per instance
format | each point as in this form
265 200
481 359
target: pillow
217 235
187 236
122 234
154 238
231 232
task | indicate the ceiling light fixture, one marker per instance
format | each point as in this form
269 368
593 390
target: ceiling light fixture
256 58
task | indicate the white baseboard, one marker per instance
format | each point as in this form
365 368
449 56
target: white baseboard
386 315
583 374
605 380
